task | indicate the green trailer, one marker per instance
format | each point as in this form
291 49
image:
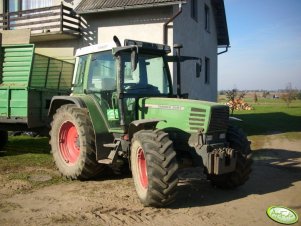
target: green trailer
28 81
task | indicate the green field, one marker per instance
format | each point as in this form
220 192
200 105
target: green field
270 116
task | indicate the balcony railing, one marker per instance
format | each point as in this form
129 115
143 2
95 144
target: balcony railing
59 20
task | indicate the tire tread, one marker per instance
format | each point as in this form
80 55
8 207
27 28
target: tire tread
162 167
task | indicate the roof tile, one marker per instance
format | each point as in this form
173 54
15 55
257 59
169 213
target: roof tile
89 6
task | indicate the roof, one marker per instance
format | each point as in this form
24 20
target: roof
93 6
95 48
221 22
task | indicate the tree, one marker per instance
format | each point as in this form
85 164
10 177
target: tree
289 94
242 95
255 98
265 94
235 100
231 95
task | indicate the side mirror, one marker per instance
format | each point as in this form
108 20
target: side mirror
134 59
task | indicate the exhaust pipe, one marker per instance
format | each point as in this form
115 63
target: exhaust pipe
178 54
117 41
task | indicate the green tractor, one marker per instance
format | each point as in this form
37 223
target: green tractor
122 111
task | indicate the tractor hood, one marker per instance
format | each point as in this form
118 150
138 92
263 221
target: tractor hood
190 116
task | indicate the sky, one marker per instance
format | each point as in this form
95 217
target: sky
265 40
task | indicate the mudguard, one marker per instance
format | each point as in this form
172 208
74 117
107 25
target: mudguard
58 101
142 124
101 129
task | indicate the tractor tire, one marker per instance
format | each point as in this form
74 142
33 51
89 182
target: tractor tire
238 141
3 139
72 143
154 167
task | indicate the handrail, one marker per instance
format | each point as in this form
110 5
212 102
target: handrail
58 18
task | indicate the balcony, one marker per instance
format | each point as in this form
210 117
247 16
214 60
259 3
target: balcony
46 24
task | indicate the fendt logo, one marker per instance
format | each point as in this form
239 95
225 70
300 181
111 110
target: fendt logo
282 215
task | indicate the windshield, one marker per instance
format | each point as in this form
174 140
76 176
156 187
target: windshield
150 76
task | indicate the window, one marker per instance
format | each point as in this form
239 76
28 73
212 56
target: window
207 70
207 18
102 72
17 5
34 4
194 9
81 66
13 5
150 76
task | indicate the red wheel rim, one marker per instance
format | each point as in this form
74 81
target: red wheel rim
142 168
69 142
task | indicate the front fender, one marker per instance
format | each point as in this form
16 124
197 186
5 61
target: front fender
142 124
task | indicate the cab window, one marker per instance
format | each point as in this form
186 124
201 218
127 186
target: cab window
102 73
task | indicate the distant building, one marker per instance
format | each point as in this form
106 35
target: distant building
200 25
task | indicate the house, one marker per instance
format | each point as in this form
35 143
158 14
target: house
200 26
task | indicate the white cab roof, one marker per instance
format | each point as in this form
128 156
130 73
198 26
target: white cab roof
95 48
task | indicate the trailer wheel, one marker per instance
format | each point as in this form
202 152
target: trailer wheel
238 141
3 138
72 143
154 167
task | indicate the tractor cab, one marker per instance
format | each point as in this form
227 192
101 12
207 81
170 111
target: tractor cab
118 76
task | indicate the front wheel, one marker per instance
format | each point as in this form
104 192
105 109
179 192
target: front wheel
238 141
154 167
72 143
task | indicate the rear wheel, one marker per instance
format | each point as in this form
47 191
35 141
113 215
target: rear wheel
3 139
154 167
73 143
238 141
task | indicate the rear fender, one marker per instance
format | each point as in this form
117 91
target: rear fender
100 126
102 135
58 101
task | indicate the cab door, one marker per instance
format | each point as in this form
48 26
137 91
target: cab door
101 86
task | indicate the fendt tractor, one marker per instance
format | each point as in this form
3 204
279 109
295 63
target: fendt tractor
122 111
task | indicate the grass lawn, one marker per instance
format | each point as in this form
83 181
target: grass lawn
271 116
28 159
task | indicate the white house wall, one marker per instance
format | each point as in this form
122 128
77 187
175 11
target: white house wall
141 24
198 43
64 49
